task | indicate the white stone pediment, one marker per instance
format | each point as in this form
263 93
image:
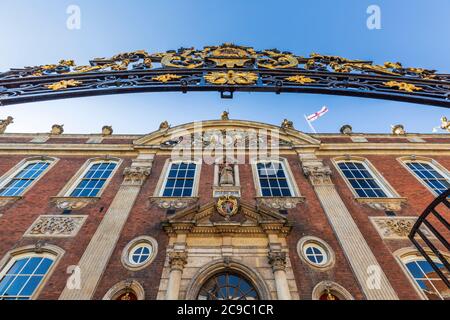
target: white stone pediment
167 137
248 219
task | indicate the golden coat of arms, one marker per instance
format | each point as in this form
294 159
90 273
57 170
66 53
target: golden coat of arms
227 206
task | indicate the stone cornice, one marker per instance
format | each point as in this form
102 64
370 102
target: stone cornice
4 201
383 204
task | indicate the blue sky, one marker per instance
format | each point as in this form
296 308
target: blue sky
34 32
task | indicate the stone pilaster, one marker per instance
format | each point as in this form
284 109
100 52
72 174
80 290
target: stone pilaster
358 253
177 260
277 260
98 252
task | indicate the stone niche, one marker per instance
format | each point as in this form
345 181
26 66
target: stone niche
203 243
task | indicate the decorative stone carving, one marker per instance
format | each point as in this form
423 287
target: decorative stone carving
136 175
5 123
177 260
279 203
398 129
225 115
346 129
39 246
223 191
286 124
277 260
445 124
57 129
396 227
107 130
55 226
173 203
227 206
318 173
383 204
73 203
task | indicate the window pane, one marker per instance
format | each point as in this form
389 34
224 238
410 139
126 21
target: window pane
16 186
181 177
430 175
31 285
94 179
272 179
362 181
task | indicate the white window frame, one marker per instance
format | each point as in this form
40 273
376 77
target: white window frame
329 256
79 175
10 174
433 163
159 190
287 171
126 252
382 182
50 251
406 255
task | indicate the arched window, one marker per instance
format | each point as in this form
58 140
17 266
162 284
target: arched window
23 275
126 290
93 179
427 171
23 176
180 179
365 182
329 290
274 179
426 278
228 286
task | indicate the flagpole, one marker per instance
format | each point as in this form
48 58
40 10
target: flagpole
309 123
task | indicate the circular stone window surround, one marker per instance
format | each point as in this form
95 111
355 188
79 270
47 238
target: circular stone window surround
320 243
125 258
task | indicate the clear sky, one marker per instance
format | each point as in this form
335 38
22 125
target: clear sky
34 32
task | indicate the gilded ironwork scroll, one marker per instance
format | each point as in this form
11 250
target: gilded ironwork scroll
226 68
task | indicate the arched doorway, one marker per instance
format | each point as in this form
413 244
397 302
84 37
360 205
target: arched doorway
228 286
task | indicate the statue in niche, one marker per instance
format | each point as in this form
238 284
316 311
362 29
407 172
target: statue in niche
226 175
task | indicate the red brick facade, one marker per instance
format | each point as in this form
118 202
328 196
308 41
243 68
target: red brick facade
309 218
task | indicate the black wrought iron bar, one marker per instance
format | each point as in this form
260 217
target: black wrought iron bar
434 249
437 234
431 262
441 218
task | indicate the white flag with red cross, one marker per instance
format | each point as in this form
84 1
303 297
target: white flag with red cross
317 114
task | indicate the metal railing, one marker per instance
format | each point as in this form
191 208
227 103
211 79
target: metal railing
440 218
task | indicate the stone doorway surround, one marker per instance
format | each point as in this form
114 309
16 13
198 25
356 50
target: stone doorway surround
202 243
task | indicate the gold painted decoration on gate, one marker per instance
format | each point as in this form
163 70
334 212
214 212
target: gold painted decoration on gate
231 77
273 59
402 86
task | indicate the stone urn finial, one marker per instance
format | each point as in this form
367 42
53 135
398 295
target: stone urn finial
346 129
225 115
164 125
286 124
398 129
57 129
4 123
107 130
